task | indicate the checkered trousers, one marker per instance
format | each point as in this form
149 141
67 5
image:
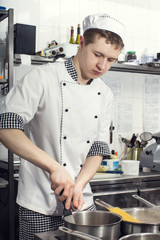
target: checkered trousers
31 222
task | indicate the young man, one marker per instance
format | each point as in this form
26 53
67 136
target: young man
57 118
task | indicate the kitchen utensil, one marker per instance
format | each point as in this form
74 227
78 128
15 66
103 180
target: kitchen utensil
149 221
66 212
141 236
130 150
101 224
126 141
146 136
149 204
111 128
78 234
117 210
133 140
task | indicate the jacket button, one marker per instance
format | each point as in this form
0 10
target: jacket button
88 141
95 116
64 84
81 165
99 93
64 164
66 110
64 137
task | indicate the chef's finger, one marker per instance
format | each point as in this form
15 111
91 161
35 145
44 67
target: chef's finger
78 201
69 198
65 193
59 191
53 186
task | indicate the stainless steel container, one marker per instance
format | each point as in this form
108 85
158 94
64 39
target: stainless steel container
104 225
142 236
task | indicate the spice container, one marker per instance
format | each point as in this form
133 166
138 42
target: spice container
131 55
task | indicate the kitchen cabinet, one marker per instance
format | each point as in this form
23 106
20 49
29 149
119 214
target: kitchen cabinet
8 183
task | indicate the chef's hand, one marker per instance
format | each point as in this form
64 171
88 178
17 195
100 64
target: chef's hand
62 184
78 199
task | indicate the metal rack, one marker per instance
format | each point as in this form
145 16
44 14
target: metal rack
10 183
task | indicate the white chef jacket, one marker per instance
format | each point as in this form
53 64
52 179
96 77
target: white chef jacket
64 119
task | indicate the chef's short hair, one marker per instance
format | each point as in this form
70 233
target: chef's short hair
112 38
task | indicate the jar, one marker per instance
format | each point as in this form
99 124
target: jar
131 55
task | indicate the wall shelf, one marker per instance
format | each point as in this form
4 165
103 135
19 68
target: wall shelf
3 14
118 67
144 69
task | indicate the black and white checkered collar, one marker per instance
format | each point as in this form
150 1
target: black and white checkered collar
72 71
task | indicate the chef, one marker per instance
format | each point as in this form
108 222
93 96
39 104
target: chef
57 120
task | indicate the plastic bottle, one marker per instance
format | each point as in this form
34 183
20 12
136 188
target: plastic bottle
121 57
146 57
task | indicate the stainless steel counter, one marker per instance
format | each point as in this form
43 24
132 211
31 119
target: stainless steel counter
143 176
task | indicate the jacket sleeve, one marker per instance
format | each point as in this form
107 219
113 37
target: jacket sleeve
23 100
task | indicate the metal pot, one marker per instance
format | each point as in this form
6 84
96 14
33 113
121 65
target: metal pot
149 217
142 236
101 224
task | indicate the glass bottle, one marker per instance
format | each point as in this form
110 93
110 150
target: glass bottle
72 36
78 34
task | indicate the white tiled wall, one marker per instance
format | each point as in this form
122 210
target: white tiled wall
53 19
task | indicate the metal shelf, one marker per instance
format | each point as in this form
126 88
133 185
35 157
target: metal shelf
36 60
144 69
118 67
3 14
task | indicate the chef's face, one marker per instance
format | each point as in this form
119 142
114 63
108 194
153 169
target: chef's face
96 58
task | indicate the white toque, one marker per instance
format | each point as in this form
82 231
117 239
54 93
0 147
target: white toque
104 21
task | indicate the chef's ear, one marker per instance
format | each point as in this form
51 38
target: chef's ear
81 42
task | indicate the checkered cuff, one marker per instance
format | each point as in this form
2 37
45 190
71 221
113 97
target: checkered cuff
99 148
11 120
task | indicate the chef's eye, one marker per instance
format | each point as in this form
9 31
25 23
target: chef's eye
112 60
97 54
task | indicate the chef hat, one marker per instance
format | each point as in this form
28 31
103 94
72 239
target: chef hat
104 21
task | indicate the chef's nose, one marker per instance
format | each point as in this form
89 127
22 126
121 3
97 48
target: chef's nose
102 64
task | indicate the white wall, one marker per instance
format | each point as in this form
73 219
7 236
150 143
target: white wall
53 19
